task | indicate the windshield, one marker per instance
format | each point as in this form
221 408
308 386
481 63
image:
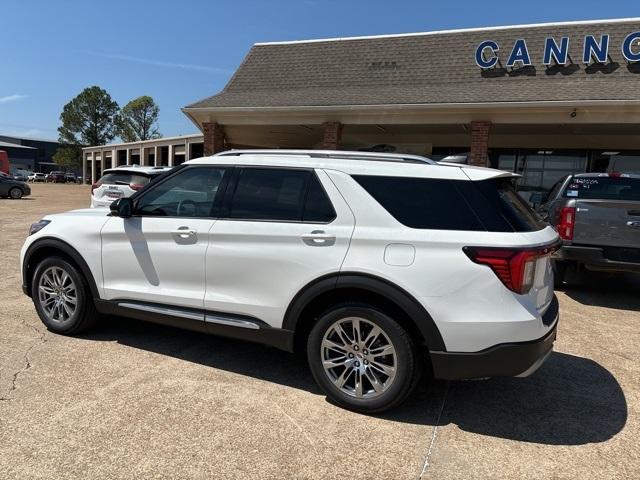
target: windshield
604 188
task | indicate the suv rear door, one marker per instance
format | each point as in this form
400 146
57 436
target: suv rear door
281 229
607 210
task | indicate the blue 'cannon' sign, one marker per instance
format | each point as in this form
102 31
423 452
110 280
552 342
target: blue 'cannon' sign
558 52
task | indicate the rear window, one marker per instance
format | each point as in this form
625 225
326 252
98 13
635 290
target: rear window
501 208
425 203
603 188
123 178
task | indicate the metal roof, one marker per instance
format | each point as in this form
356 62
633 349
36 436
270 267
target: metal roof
15 145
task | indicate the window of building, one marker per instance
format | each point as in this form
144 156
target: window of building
541 169
615 161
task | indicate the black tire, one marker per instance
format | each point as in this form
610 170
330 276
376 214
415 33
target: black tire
85 314
15 193
559 273
408 364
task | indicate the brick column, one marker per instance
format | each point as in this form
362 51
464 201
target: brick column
214 139
480 143
332 136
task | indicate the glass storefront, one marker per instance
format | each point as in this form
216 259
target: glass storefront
541 169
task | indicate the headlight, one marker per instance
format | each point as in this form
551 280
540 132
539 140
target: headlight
36 227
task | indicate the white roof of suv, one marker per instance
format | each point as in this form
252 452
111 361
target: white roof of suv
137 169
355 163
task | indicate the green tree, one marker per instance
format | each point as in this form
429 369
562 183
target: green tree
69 157
88 119
138 120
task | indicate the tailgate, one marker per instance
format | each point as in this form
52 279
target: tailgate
109 192
613 223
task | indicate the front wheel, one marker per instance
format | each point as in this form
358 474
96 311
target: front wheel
362 358
62 297
15 193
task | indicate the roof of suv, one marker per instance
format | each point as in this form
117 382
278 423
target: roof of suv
355 163
137 169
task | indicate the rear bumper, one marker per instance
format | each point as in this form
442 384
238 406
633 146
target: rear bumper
594 259
517 359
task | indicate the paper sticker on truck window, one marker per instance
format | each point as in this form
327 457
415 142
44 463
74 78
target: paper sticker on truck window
572 193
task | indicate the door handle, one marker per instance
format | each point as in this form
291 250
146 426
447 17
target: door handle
184 232
318 238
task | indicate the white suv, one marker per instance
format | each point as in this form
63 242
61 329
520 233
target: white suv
377 265
122 182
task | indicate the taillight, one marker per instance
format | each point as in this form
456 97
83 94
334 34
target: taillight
94 186
136 186
567 222
515 267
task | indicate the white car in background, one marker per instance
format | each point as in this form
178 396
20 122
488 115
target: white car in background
36 177
122 182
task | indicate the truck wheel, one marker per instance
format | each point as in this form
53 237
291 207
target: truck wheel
362 358
15 193
62 297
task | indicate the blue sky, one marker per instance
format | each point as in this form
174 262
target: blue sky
181 51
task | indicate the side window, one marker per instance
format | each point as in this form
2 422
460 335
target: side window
422 202
318 207
269 194
190 193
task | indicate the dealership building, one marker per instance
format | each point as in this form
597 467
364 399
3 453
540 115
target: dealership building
541 100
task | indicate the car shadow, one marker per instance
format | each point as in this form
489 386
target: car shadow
602 289
570 401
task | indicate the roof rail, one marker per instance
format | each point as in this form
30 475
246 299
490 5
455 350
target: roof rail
335 154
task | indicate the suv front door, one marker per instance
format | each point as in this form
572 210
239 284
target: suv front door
158 254
280 229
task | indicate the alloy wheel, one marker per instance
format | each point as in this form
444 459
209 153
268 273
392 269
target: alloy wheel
358 357
57 294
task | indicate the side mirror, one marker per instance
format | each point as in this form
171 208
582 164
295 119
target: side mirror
123 208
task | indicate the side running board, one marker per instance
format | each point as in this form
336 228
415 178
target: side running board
216 323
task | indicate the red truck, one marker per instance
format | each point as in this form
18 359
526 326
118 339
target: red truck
4 162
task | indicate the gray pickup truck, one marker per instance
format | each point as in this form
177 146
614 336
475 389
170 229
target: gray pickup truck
598 218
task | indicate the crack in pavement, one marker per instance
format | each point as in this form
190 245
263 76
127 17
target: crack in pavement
42 338
434 434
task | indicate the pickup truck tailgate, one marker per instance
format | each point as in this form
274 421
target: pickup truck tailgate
613 223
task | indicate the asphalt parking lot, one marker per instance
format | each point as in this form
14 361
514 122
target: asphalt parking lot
133 400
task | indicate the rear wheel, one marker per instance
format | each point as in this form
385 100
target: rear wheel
62 297
15 193
362 358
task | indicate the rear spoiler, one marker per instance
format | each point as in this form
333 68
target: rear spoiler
483 173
